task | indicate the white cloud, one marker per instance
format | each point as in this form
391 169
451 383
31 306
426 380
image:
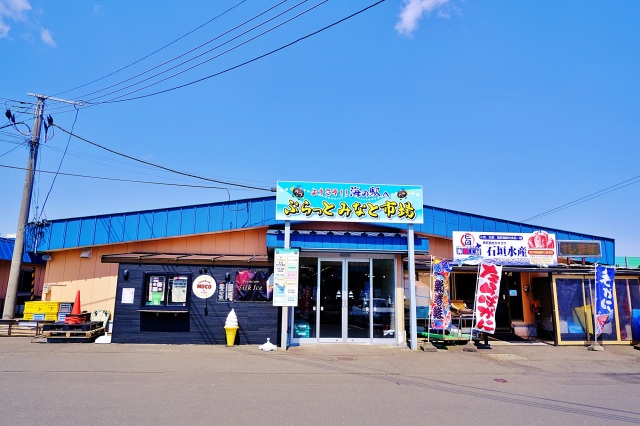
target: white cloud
413 10
46 37
14 10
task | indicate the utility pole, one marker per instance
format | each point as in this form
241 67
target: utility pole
18 247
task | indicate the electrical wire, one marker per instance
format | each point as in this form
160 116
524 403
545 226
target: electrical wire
14 148
210 59
59 165
123 180
589 197
192 50
163 167
116 100
155 51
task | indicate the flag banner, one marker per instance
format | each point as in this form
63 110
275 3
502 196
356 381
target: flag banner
604 296
440 311
487 294
441 267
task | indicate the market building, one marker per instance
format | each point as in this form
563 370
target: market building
173 275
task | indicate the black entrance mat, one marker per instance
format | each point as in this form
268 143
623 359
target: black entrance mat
506 336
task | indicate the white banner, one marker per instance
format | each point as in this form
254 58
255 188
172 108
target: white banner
285 274
487 294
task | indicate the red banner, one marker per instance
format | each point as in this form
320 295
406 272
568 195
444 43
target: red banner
487 293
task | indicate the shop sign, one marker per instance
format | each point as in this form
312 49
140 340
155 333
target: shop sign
285 273
569 248
503 248
349 202
204 286
487 293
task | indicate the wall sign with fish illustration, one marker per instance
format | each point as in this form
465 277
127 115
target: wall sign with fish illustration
504 248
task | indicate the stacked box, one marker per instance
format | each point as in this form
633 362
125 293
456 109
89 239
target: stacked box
65 307
35 307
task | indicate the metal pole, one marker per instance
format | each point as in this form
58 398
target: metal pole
284 334
594 299
18 247
412 289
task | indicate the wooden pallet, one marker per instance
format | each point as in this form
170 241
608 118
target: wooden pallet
61 326
74 333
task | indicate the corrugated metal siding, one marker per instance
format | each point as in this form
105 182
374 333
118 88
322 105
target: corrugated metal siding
6 252
216 217
628 262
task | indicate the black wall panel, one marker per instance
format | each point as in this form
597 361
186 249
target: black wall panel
257 321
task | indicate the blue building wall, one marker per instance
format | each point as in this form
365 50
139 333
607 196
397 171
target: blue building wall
241 214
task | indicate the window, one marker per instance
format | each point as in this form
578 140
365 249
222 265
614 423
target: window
162 290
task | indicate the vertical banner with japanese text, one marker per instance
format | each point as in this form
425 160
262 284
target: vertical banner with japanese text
604 296
440 309
285 273
487 293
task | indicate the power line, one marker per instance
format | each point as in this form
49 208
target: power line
192 50
162 167
157 50
120 180
589 197
115 100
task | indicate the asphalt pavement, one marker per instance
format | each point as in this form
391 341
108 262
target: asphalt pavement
337 384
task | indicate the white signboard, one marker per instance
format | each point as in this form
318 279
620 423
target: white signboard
204 286
285 273
505 248
127 295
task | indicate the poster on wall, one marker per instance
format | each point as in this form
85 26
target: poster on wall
349 202
285 275
505 248
487 294
251 286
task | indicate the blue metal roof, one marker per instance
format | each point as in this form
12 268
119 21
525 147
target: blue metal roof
347 241
6 252
248 213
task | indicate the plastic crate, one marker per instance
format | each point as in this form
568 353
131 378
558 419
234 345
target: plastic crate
38 317
28 317
65 307
51 307
61 317
34 307
51 317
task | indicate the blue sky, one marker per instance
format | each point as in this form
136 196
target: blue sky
504 109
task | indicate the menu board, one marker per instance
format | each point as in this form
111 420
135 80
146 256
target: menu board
285 273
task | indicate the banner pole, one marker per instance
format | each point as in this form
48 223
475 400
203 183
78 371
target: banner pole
594 301
475 300
430 299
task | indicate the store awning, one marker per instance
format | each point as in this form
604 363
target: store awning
174 258
387 242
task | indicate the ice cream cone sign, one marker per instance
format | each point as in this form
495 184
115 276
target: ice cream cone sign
231 327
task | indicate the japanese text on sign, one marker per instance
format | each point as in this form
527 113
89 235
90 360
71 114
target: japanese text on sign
349 202
487 293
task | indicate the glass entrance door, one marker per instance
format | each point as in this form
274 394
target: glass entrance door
345 300
331 304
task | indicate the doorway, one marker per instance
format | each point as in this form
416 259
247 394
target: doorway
345 300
